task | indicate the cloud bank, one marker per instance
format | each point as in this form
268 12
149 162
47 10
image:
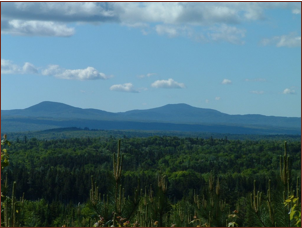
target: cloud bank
218 20
35 28
89 73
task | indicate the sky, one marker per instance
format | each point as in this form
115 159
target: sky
234 57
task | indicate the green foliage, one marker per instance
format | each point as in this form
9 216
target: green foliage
73 132
4 155
11 209
154 181
295 209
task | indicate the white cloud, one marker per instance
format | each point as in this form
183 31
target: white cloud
227 33
52 70
146 76
226 81
89 73
291 40
170 83
257 92
195 13
219 33
289 91
140 12
50 18
169 18
29 68
296 11
166 30
176 30
35 28
8 67
59 11
217 98
150 74
127 87
254 12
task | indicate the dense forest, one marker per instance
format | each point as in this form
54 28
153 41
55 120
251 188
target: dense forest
75 132
158 181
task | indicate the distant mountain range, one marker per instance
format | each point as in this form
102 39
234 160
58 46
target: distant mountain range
178 117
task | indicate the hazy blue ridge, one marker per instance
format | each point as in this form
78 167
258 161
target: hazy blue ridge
179 117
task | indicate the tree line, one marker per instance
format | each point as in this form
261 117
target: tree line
157 181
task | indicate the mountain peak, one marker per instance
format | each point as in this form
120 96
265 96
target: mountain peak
171 113
185 108
49 106
179 105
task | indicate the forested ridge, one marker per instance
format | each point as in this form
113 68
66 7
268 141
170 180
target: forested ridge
171 117
75 132
151 181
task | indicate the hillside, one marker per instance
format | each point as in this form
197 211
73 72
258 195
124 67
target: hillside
57 110
179 117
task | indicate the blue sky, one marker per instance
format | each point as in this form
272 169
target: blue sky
237 58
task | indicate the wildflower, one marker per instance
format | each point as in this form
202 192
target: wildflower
235 211
173 225
195 217
155 223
